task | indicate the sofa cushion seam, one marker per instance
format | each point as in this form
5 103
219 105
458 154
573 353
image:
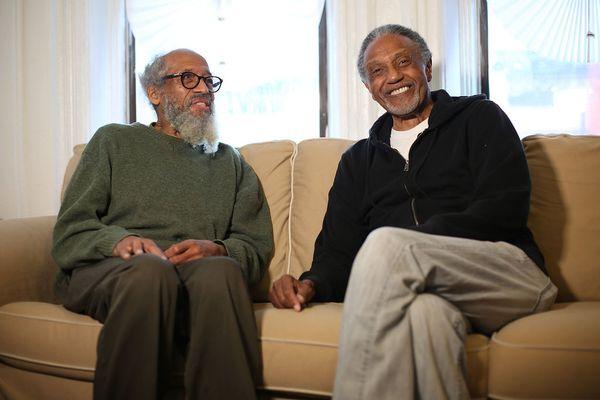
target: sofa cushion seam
292 173
45 363
46 319
541 347
298 342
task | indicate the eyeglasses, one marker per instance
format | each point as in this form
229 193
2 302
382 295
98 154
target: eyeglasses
190 80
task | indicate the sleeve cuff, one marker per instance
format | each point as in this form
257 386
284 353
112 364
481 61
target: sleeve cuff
222 243
111 235
322 289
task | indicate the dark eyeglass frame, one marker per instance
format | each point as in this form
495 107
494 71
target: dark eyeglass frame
212 88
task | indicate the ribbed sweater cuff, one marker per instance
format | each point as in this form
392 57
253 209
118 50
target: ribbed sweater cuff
109 237
235 253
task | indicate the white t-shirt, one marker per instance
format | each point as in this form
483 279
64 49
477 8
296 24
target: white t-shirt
402 140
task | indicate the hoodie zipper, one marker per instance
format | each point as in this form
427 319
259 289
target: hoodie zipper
412 198
412 206
406 169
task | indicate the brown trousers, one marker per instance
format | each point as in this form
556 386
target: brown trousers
154 312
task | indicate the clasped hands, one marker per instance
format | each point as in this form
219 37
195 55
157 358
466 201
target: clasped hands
289 292
177 254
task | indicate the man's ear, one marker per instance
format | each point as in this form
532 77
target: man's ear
428 68
153 95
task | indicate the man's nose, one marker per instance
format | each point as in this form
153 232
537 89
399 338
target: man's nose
395 74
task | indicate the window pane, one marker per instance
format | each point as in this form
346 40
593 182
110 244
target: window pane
544 68
266 51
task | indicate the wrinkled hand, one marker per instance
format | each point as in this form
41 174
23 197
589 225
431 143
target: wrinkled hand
133 245
289 292
191 249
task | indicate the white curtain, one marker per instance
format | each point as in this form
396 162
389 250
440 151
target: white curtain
449 27
49 96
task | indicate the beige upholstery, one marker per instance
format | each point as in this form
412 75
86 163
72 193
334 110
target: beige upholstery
273 164
314 170
20 384
555 354
299 350
26 266
565 211
48 352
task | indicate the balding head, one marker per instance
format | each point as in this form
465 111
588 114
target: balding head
158 67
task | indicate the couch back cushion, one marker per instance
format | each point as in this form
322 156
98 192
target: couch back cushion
272 162
565 210
564 216
315 165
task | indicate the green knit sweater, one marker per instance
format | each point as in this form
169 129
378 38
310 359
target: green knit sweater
134 180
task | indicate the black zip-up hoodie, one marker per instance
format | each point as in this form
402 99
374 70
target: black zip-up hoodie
466 176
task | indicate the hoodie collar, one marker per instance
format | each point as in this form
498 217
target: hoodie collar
444 108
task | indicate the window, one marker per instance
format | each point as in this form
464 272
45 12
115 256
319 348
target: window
544 64
266 51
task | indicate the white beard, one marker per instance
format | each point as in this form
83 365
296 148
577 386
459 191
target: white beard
404 109
196 130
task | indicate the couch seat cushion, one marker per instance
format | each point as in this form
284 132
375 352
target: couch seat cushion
49 339
299 350
555 354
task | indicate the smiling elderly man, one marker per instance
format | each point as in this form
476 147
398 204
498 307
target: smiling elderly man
436 199
161 229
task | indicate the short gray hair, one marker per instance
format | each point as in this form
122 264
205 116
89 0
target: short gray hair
391 29
153 73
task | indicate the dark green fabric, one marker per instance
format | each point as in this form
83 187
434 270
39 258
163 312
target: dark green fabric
134 180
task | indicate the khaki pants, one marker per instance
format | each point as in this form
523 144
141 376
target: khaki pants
411 300
151 310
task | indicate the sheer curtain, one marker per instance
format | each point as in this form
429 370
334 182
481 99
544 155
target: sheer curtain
51 93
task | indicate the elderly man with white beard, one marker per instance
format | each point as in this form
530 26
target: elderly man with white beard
160 232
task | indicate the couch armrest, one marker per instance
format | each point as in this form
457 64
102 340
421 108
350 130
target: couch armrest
27 269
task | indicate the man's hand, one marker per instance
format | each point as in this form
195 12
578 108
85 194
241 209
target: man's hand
190 250
289 292
133 245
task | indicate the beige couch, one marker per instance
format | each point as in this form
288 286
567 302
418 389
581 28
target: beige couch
47 352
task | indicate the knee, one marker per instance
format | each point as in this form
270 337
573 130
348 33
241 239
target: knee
215 273
384 251
146 270
431 309
430 304
390 236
